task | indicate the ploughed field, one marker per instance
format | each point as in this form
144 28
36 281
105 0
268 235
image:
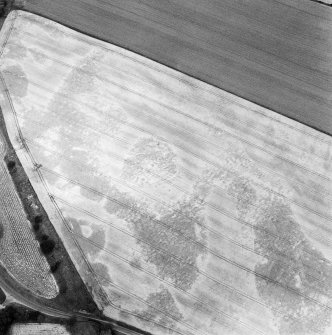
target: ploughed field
36 328
275 53
186 209
19 251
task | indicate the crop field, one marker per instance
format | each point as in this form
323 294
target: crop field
187 210
20 253
38 329
276 53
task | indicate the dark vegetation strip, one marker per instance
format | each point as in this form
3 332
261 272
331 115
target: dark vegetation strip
322 3
5 7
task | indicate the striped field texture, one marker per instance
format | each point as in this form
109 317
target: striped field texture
19 251
276 53
38 329
186 209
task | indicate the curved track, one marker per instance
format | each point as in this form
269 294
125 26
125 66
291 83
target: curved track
26 299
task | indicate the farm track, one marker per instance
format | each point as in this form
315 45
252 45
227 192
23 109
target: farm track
24 298
228 44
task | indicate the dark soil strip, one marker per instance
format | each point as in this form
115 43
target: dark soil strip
322 3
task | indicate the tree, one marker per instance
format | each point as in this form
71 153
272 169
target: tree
47 246
44 237
38 219
2 296
2 7
63 287
36 226
11 166
33 316
72 321
55 266
1 230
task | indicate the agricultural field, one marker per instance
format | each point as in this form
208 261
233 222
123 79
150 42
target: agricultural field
186 210
20 253
38 329
274 53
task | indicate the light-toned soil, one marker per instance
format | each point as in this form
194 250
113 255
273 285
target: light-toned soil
187 210
38 329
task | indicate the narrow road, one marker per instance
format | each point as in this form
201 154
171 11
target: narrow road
27 299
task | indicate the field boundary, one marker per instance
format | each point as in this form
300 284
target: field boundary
322 2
